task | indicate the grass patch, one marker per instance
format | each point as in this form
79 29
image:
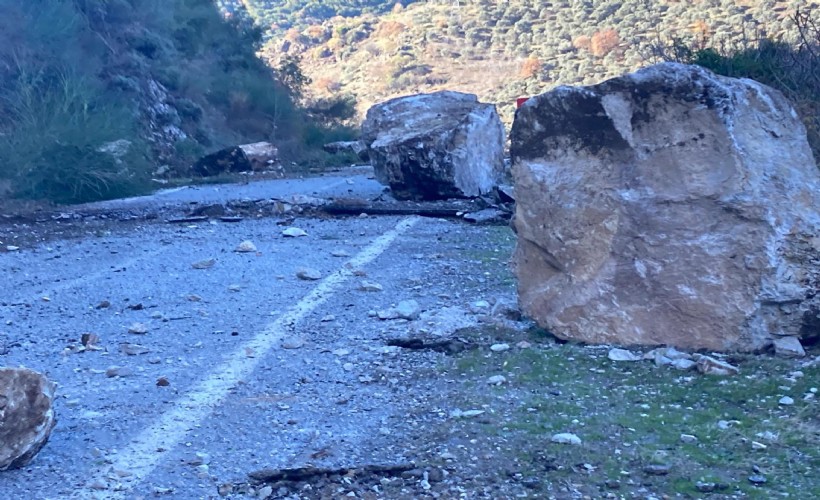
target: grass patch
633 415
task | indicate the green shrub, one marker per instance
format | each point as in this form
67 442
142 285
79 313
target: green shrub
188 150
60 122
149 44
188 109
76 174
335 110
124 83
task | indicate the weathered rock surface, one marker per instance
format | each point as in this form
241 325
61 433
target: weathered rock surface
435 146
671 206
244 158
26 415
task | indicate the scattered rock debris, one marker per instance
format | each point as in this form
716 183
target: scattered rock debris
246 246
308 274
294 232
447 346
338 482
204 264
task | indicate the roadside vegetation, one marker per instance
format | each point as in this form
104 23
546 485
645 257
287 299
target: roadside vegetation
95 95
645 430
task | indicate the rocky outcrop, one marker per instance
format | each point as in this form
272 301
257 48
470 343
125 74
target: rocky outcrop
162 120
435 146
26 415
254 157
670 206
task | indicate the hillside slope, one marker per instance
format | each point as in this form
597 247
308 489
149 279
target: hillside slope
159 81
503 50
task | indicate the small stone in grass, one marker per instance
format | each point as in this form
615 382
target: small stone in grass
466 413
711 366
688 438
657 469
565 438
500 347
705 487
622 355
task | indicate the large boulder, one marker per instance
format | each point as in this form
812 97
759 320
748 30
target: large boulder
670 206
435 146
26 415
255 157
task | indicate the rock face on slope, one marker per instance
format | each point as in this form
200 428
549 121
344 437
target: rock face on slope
435 146
670 206
26 415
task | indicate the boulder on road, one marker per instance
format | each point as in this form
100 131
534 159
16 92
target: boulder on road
358 148
254 157
26 415
435 146
671 206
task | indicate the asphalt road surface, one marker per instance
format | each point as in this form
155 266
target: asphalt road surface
234 367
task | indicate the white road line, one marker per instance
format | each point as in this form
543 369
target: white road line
141 457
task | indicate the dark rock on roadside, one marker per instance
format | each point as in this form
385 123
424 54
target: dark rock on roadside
245 158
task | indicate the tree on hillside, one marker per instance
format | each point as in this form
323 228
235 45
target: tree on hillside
603 42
